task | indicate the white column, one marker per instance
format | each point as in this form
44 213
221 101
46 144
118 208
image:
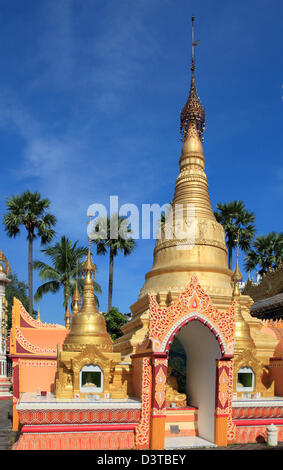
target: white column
4 382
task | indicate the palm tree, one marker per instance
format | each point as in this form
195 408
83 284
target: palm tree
266 253
29 210
237 221
66 266
105 242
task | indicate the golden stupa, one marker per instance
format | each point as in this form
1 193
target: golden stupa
201 251
87 364
88 325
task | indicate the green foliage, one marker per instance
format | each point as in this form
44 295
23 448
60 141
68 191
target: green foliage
29 210
67 261
114 321
236 221
112 235
19 290
266 253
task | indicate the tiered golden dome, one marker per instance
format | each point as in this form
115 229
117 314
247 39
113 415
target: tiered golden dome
88 325
202 249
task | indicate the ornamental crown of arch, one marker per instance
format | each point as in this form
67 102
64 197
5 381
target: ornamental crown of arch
91 355
192 304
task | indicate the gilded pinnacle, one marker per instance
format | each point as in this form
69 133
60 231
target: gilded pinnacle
193 111
88 325
76 300
67 318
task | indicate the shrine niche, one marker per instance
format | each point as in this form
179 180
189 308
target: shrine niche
249 372
90 373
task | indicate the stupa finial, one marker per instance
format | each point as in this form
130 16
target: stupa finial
67 317
76 297
237 276
193 112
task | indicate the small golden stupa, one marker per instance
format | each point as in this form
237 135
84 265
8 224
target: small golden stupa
87 364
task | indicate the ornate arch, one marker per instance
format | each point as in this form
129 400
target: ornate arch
192 316
192 304
92 355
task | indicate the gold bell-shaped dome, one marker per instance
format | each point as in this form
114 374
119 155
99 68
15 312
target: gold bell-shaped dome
88 325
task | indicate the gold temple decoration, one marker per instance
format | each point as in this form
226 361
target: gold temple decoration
76 300
237 276
67 317
172 394
76 297
88 325
5 266
200 251
199 247
263 385
245 348
89 347
193 111
38 314
243 339
4 326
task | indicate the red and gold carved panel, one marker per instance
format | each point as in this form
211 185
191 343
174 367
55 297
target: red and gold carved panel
224 395
159 386
143 429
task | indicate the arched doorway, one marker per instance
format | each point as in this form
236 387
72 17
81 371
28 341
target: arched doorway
211 355
202 351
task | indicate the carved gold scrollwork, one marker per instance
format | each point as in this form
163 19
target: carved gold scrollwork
5 263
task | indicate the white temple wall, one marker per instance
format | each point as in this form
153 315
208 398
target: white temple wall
202 350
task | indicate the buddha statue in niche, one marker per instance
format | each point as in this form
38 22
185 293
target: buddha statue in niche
172 394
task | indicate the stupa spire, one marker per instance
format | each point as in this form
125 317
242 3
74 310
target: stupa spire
88 304
237 276
76 297
88 325
196 242
67 317
192 114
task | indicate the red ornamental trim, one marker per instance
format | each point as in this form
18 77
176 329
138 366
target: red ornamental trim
35 323
193 304
257 422
207 323
53 417
159 385
78 428
143 429
30 347
38 363
77 441
223 388
259 412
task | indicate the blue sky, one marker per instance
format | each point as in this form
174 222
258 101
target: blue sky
90 96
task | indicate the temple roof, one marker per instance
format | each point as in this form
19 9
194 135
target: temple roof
268 305
32 337
270 285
